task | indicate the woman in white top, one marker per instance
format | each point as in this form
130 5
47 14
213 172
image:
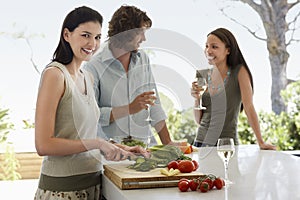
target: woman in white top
67 115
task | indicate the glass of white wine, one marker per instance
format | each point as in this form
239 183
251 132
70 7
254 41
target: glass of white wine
149 119
226 149
201 87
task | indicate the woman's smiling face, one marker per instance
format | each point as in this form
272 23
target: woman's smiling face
84 40
215 50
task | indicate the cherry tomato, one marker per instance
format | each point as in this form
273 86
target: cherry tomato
196 165
210 182
173 164
183 185
218 183
186 166
204 187
194 183
183 179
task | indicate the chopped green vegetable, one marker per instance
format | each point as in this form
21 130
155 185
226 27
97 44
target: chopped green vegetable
129 141
161 155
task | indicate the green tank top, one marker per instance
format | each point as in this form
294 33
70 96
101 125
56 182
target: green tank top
221 116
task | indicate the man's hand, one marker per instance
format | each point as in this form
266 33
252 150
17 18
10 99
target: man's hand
141 102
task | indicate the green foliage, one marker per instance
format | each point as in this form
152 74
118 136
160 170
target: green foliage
9 163
181 124
274 129
283 130
5 126
245 132
28 124
291 97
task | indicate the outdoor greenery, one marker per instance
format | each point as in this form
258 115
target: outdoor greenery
9 163
28 124
5 126
283 130
180 123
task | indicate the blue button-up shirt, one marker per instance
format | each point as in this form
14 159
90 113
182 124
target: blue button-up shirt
114 87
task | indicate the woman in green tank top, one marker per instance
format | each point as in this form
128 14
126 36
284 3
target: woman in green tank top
229 91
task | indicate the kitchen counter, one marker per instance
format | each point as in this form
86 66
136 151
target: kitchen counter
257 175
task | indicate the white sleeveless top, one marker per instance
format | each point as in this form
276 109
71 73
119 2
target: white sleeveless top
76 118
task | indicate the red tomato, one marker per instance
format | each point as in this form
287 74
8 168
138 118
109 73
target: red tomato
204 187
218 183
183 179
194 183
210 183
196 165
183 185
173 164
186 166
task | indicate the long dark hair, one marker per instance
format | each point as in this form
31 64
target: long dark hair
235 57
63 52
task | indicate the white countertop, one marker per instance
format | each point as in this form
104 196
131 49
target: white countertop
257 175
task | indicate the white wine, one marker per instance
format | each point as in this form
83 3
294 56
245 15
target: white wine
200 89
226 149
203 88
225 154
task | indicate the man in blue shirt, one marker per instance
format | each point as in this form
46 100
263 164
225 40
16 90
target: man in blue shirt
124 83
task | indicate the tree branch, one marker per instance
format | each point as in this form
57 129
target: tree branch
295 19
21 35
253 5
291 5
294 29
31 56
248 29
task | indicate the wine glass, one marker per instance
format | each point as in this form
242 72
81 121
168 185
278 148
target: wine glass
149 119
201 87
148 139
226 149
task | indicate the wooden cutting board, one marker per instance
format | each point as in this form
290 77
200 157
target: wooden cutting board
126 178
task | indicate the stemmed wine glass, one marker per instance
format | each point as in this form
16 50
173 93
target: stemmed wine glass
201 87
149 119
226 149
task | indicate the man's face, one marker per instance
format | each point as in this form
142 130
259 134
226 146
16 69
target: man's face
139 37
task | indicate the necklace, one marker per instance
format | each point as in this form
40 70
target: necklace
218 86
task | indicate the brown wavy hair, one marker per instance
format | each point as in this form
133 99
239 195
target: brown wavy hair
125 24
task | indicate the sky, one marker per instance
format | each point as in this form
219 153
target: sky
186 22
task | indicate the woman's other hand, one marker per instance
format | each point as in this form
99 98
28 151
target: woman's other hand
266 146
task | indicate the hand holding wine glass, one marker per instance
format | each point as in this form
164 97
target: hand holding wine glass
140 102
200 87
226 149
152 99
